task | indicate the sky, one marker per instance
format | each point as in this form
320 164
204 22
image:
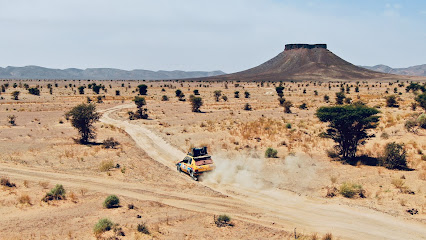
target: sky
206 35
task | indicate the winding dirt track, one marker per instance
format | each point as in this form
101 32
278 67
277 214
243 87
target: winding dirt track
270 207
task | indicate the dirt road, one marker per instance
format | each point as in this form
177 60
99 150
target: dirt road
268 207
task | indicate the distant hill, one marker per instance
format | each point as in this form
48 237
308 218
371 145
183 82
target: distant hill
303 62
36 72
419 70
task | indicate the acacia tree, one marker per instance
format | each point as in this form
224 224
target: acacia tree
217 95
143 89
287 106
340 96
196 103
83 117
141 112
15 95
421 99
348 126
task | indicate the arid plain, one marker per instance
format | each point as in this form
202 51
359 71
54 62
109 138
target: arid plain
266 198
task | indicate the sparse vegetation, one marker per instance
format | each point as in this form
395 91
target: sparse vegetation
34 91
110 143
11 119
394 156
83 117
6 182
142 112
351 190
217 95
287 106
106 165
143 89
223 221
271 153
391 101
421 99
142 228
112 201
348 126
15 95
102 226
196 103
56 193
340 96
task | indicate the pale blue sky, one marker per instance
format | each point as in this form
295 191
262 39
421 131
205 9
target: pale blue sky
228 35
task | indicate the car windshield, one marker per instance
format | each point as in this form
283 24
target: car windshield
203 161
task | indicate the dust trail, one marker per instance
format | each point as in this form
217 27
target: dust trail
297 173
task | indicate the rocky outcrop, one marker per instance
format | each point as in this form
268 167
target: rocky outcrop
307 46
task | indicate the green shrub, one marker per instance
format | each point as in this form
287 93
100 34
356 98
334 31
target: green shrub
111 201
164 98
271 153
223 221
34 91
421 120
303 106
224 218
288 125
56 193
142 228
394 156
350 190
391 101
103 225
247 107
384 135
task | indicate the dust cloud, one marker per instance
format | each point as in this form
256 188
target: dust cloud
297 173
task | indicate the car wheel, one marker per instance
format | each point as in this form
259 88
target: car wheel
193 176
179 169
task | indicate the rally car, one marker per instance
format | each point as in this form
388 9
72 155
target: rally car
196 162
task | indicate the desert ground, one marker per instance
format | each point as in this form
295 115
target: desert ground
266 198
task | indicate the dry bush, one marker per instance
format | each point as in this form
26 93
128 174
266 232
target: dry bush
24 199
106 165
400 184
328 236
44 185
83 191
110 143
142 228
26 184
6 182
73 197
422 175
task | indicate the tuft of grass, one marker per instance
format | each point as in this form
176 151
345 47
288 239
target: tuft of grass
351 190
56 193
102 226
